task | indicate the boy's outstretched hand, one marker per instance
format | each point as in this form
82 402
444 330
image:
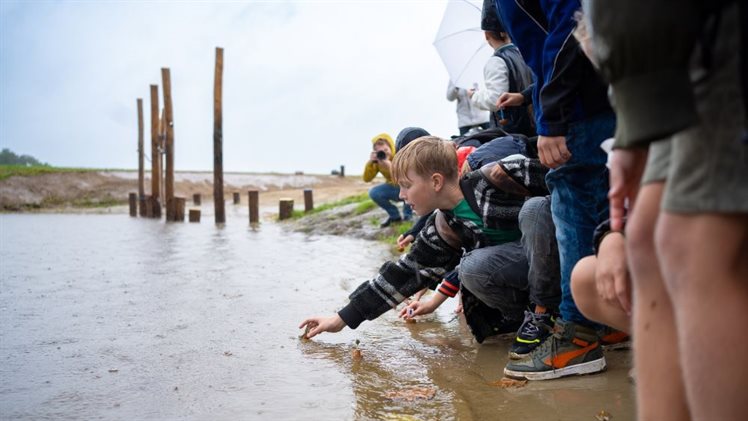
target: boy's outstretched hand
317 325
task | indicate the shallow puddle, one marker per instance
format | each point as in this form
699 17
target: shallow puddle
107 316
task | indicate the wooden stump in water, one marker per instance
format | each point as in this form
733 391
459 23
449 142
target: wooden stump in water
152 207
308 200
175 209
142 206
236 198
254 206
194 215
196 199
285 208
133 197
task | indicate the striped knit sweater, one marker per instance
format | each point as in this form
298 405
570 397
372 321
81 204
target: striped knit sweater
497 193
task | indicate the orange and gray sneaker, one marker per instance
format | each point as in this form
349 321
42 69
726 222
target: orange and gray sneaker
573 349
611 339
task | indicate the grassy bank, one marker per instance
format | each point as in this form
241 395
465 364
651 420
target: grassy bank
356 214
7 171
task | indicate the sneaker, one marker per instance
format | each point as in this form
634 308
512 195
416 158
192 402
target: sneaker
572 349
612 339
389 221
534 329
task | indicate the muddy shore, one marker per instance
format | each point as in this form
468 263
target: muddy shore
75 192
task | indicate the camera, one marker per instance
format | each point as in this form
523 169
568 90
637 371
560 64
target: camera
381 155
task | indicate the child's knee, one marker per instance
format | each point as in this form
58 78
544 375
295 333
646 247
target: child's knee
583 287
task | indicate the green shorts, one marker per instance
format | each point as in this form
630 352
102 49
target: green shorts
706 166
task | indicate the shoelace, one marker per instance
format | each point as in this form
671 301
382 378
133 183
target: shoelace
528 325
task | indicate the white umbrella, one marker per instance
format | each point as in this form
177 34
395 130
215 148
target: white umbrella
461 44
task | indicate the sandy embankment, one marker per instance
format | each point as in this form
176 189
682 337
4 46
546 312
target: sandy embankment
68 191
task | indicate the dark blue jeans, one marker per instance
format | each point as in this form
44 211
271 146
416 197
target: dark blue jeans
579 201
385 195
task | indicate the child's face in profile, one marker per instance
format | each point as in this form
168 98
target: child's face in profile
418 192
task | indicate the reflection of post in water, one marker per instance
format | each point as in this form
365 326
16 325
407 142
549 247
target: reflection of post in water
218 201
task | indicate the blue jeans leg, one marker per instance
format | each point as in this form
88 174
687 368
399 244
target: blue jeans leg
383 195
579 200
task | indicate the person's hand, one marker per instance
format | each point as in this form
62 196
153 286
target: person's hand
552 151
509 99
611 272
416 308
321 324
470 92
404 241
626 169
373 156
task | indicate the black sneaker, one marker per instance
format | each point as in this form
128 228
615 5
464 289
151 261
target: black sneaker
389 221
534 329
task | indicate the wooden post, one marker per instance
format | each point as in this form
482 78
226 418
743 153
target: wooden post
236 198
161 155
141 182
218 201
133 198
194 215
181 203
254 206
155 210
285 208
169 122
196 199
308 200
175 209
342 170
153 207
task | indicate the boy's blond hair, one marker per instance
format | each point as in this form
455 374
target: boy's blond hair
426 155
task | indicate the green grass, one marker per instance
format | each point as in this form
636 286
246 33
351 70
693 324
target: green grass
24 171
399 229
364 204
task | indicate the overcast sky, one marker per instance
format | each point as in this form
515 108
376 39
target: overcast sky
306 83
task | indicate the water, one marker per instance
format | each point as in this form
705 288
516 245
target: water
112 317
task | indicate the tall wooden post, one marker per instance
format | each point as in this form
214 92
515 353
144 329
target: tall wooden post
162 154
169 123
254 206
155 157
218 201
141 182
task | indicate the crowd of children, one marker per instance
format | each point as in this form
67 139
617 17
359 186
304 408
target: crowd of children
530 233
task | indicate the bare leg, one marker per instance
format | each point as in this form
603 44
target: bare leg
588 301
704 260
660 391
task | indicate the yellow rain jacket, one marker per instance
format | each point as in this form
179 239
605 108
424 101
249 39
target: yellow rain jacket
372 168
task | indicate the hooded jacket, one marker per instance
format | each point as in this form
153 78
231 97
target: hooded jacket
372 168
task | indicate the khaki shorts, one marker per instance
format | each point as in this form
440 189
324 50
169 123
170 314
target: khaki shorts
706 166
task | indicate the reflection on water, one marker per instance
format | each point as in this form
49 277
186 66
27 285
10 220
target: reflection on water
106 316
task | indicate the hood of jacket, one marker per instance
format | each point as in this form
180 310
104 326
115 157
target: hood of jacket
386 137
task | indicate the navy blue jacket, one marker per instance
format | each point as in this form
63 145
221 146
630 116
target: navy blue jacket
567 88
